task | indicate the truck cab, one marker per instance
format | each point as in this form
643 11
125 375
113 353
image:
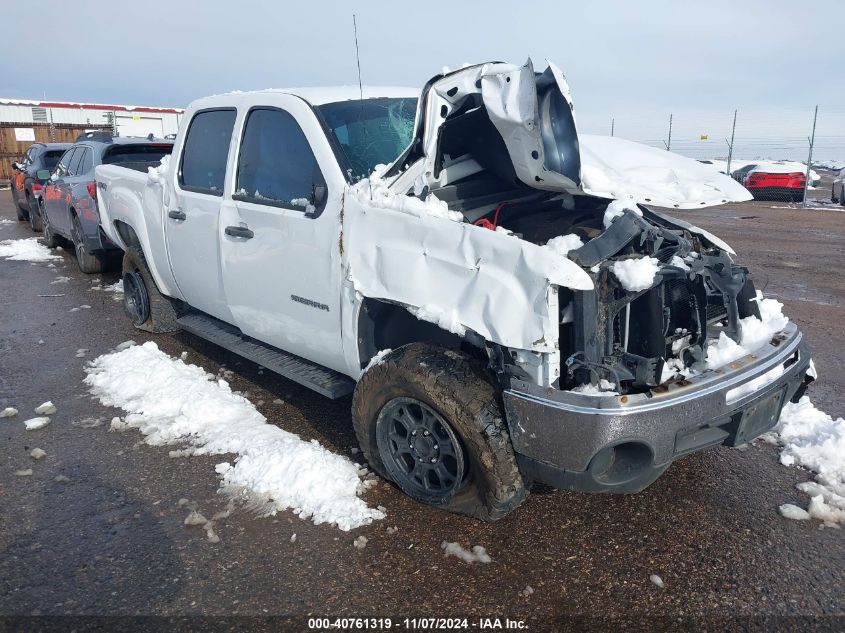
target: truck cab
485 282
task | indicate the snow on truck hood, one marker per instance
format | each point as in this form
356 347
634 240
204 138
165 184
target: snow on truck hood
534 116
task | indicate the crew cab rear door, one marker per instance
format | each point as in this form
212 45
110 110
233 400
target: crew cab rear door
280 233
191 219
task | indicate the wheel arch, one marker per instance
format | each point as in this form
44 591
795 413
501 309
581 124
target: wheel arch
385 325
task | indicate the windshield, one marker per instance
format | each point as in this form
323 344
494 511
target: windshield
369 132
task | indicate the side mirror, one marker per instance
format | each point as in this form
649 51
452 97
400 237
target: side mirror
43 174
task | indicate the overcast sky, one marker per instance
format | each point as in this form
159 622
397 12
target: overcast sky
635 61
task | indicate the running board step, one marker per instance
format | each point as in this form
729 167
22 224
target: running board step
321 379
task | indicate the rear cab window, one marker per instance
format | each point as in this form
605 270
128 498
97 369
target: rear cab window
137 156
206 151
276 165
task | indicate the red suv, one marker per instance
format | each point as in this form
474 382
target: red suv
767 183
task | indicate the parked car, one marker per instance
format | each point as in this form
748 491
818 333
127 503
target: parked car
479 360
27 186
740 173
774 181
837 193
69 204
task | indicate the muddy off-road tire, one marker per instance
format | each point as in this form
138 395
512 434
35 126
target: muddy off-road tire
425 408
147 308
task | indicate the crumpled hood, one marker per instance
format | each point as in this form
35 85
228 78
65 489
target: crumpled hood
537 144
615 168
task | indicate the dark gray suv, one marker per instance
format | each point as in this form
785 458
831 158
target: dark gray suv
27 186
69 204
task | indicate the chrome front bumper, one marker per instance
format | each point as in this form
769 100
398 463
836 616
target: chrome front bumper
623 443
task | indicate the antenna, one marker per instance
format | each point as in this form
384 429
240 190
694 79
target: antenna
358 59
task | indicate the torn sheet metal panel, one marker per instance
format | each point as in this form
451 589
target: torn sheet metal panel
493 283
615 168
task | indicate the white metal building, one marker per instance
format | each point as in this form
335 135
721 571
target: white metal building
126 120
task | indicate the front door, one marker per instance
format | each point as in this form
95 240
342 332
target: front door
280 234
192 215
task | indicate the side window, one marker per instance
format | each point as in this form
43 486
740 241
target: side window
64 162
86 164
73 168
276 165
206 149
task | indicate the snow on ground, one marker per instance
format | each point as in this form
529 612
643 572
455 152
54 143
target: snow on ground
636 274
815 440
477 555
833 165
172 402
6 221
373 191
26 250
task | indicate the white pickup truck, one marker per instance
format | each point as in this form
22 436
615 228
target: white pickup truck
488 285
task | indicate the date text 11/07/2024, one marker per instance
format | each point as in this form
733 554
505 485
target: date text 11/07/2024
415 624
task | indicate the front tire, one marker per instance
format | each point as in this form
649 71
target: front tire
88 262
428 419
147 308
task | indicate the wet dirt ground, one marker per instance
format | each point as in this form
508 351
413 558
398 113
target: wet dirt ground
97 529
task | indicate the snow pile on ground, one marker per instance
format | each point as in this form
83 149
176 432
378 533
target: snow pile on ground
477 555
159 174
373 191
562 244
617 209
26 250
814 440
834 165
446 319
6 221
172 402
615 168
636 274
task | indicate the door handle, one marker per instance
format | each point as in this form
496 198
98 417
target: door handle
177 214
239 231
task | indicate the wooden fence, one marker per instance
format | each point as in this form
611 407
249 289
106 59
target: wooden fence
12 149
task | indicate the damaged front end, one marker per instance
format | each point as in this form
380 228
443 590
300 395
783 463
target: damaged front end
635 340
602 319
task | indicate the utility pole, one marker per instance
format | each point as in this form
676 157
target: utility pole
812 140
668 143
731 146
612 125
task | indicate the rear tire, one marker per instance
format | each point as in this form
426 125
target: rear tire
88 262
147 308
34 214
50 239
842 195
446 396
23 216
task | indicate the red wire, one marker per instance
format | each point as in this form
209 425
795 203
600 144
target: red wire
487 224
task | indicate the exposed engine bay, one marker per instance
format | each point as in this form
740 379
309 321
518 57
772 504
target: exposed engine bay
629 341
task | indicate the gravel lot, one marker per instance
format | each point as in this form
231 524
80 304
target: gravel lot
110 539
